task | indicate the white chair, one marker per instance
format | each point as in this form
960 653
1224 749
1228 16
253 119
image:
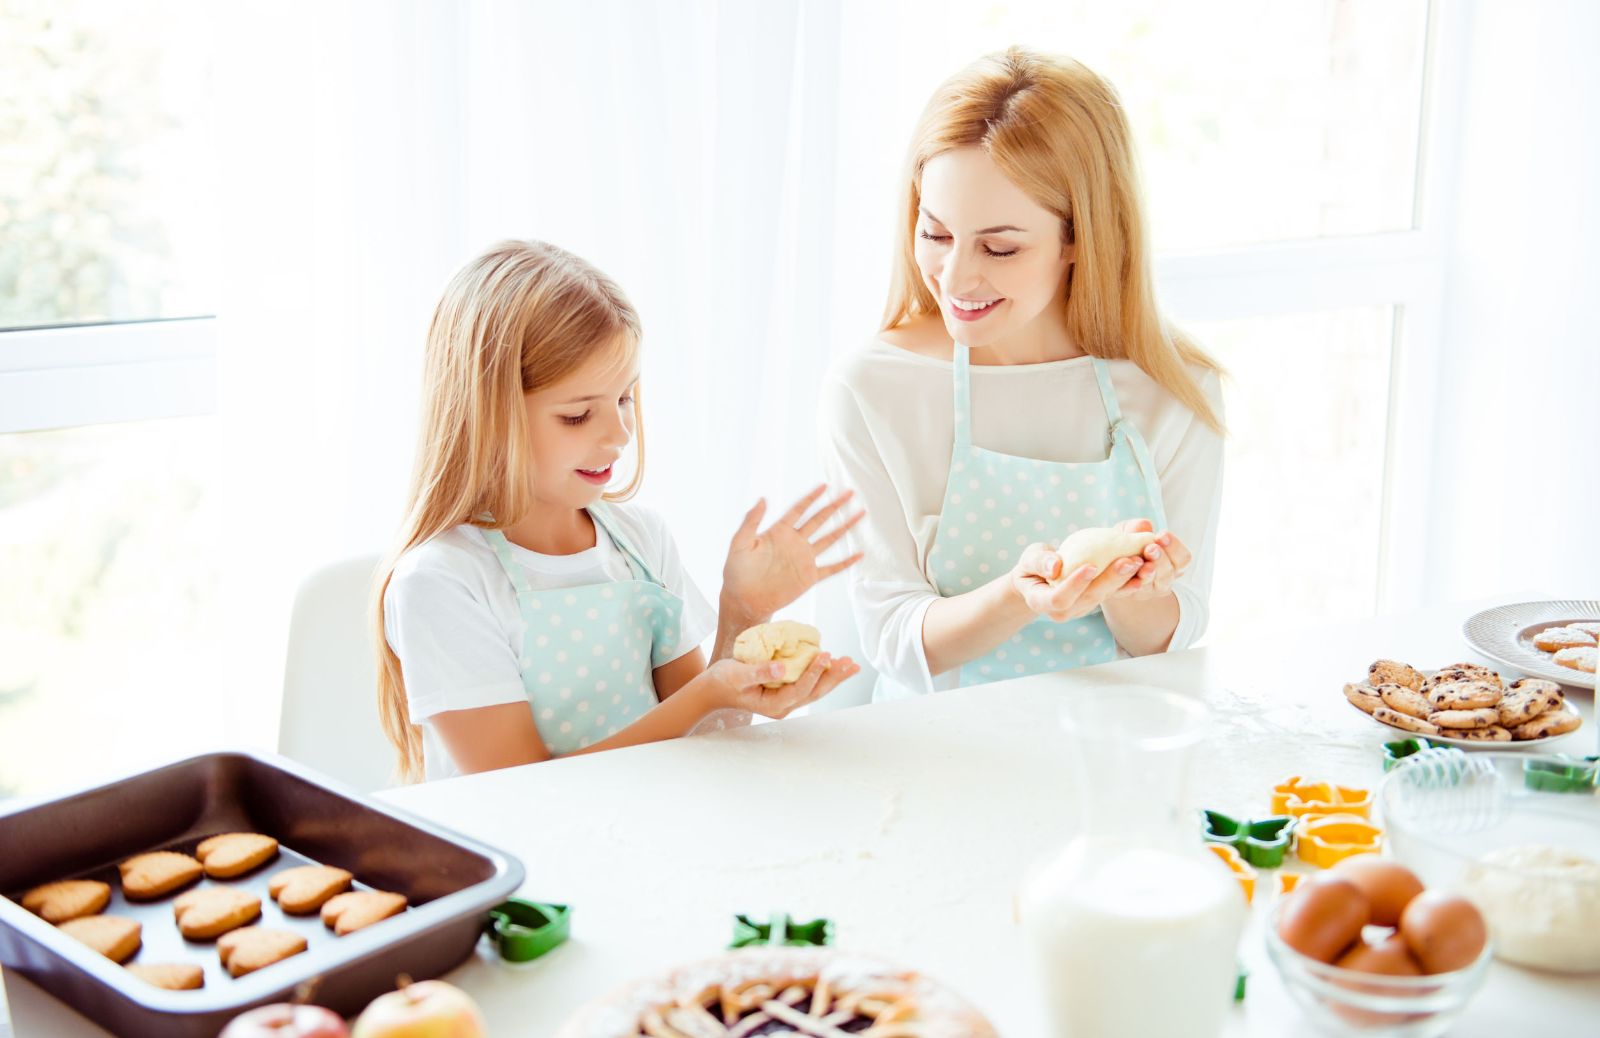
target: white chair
329 719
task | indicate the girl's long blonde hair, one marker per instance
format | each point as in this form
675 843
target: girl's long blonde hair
1058 131
519 318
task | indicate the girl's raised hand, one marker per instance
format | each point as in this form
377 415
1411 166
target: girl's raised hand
768 569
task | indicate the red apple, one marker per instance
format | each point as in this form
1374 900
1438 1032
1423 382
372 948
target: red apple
429 1009
284 1020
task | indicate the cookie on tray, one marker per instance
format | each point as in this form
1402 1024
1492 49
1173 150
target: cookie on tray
1556 722
1406 700
113 936
234 854
1527 699
1392 672
67 899
173 976
304 889
148 876
1457 719
350 912
1465 695
1364 697
1396 719
251 948
213 911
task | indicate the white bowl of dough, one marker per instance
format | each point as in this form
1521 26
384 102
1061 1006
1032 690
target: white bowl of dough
1518 834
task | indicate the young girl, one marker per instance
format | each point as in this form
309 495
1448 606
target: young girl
1023 386
527 613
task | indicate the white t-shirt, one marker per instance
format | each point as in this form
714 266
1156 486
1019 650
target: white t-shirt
451 616
887 425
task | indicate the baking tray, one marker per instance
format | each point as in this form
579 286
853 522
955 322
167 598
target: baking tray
450 882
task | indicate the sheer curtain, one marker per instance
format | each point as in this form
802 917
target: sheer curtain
369 149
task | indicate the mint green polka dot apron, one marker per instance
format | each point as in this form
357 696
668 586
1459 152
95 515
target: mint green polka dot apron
995 505
589 653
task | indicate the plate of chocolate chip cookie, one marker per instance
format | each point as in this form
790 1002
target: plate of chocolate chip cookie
1464 704
1557 640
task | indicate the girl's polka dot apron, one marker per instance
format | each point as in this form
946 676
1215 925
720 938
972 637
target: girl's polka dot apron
588 653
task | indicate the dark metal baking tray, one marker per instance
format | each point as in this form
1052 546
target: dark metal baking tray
450 882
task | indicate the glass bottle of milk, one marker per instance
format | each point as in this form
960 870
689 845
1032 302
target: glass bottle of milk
1134 926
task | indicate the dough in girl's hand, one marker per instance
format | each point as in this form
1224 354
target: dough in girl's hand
1100 546
787 642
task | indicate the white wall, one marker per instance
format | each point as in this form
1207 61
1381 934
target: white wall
1515 505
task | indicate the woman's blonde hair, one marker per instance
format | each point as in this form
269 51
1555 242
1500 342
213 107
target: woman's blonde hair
519 318
1058 132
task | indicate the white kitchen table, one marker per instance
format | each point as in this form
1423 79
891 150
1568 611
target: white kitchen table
911 825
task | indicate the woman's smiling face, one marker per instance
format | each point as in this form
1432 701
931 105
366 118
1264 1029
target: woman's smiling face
993 258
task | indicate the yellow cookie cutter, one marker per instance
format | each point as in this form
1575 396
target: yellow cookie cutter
1242 870
1328 840
1287 881
1307 800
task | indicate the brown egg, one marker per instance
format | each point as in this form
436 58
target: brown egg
1444 931
1323 917
1389 957
1389 887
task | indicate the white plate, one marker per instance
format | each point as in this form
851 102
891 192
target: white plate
1504 634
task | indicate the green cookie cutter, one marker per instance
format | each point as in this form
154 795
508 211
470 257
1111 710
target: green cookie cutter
524 930
781 930
1562 774
1262 842
1396 752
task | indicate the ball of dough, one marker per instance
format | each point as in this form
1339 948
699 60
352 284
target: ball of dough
1100 546
785 641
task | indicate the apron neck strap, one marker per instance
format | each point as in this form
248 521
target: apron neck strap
1108 395
961 359
600 512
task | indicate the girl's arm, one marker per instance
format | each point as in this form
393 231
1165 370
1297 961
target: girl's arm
503 736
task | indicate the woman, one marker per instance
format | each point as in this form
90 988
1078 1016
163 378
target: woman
1023 386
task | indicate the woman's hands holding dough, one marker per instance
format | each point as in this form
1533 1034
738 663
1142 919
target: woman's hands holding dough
1125 561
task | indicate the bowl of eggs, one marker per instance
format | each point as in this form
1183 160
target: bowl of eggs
1365 949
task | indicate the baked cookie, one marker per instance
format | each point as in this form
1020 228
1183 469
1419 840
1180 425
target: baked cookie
1462 672
1406 700
67 899
1464 695
111 935
170 975
1394 717
1582 658
1364 697
348 913
1528 699
787 642
1466 718
1391 672
147 876
1556 722
1589 627
234 854
301 890
1493 733
213 911
251 948
1554 639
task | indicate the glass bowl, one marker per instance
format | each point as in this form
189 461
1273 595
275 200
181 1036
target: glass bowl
1349 1002
1518 834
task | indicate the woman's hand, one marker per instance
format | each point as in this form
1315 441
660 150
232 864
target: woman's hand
731 685
768 569
1045 590
1161 564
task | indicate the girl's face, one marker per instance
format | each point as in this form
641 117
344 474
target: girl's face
992 257
580 427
